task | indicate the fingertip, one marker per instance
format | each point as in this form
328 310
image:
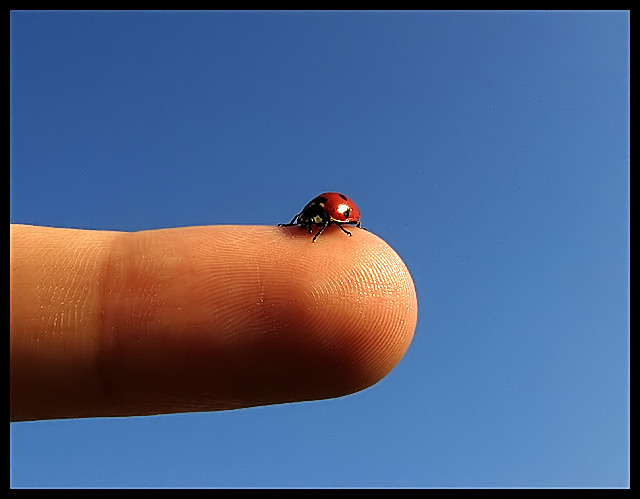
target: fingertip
338 314
360 301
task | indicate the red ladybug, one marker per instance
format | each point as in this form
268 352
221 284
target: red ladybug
326 209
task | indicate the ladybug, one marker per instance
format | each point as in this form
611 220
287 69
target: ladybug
326 209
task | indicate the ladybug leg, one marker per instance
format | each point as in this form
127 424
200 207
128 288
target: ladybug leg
319 232
344 230
293 222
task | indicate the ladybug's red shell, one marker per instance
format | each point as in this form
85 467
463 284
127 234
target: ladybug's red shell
338 206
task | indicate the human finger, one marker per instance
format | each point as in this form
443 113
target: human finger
200 318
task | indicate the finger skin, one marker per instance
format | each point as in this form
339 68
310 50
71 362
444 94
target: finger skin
200 318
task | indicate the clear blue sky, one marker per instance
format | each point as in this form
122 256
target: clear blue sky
490 150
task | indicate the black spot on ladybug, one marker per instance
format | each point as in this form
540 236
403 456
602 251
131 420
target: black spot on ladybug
346 212
343 197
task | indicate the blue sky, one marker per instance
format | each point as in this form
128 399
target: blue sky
489 149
